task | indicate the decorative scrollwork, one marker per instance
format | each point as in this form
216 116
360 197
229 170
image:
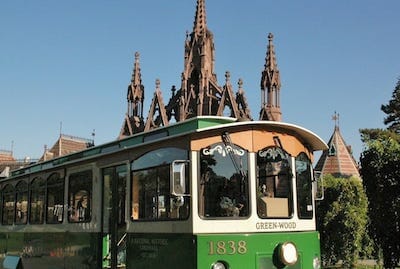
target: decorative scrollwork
273 154
223 150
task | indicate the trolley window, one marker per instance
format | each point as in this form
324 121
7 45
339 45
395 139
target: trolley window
21 212
55 198
37 201
223 190
151 194
79 195
304 187
8 205
274 181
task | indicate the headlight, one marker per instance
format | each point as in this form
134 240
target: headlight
316 263
288 253
219 265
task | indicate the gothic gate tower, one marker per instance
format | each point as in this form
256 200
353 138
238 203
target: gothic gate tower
199 93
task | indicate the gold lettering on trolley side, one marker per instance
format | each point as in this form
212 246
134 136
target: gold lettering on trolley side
232 247
221 249
211 248
275 225
242 247
227 247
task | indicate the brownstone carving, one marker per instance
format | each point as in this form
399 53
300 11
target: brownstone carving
199 93
270 86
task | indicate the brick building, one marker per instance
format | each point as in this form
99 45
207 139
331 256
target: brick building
338 160
9 163
66 144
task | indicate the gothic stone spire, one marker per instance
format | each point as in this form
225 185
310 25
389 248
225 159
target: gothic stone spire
198 75
270 86
135 94
133 122
200 21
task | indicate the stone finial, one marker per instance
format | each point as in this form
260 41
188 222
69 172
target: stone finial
240 84
270 37
158 83
227 76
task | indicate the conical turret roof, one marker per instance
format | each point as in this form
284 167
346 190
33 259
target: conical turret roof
338 159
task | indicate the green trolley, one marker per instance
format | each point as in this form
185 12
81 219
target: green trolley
209 193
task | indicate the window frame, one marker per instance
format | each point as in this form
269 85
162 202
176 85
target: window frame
11 193
274 165
37 188
19 191
209 207
80 196
160 161
307 176
54 180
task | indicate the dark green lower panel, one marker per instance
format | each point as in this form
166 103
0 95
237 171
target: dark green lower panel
161 251
53 250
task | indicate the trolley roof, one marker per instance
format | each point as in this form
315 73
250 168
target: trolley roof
193 125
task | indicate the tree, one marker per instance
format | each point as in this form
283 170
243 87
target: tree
380 162
392 109
341 220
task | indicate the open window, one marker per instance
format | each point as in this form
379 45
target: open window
8 200
21 206
37 200
160 185
274 182
55 198
79 196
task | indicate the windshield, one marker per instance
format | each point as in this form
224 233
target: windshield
223 190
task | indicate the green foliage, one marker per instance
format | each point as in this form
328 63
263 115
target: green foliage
341 220
372 138
392 109
380 171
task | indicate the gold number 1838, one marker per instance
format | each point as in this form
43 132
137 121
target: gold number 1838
227 247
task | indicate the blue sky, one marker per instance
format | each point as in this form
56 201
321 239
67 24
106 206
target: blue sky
71 62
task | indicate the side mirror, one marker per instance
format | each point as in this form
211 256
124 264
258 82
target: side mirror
318 183
178 178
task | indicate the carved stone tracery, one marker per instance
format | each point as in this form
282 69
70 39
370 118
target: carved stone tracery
199 93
